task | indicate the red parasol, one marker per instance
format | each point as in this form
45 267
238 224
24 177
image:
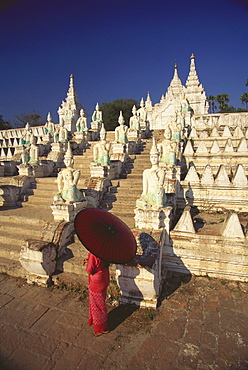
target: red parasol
105 235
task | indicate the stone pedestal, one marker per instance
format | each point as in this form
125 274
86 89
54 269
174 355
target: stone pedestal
9 195
57 147
119 148
44 169
97 170
151 217
38 171
10 168
137 285
139 280
82 139
42 257
38 257
67 211
25 170
47 138
57 154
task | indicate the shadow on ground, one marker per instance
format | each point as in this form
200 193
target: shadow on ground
171 284
119 314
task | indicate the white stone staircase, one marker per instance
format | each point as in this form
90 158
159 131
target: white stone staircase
18 224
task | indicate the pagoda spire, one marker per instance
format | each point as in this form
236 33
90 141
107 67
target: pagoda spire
176 87
69 111
71 94
193 82
175 82
194 91
148 102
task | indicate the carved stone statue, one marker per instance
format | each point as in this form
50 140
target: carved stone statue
67 182
56 134
49 127
24 156
101 149
81 124
176 128
63 133
134 123
30 154
153 183
121 131
142 114
33 152
97 114
168 148
25 139
164 146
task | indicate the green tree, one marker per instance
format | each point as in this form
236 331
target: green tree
223 100
4 125
211 100
244 99
111 111
33 118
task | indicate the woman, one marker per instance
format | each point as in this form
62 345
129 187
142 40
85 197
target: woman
98 283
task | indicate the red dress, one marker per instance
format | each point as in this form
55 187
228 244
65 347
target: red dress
98 283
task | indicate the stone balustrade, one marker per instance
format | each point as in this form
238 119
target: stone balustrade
217 249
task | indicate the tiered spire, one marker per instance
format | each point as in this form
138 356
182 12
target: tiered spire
71 94
148 102
69 111
194 91
176 86
193 84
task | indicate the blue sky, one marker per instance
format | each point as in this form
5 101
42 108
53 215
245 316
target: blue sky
117 49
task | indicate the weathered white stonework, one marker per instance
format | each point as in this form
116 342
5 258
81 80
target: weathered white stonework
222 254
216 193
67 211
140 280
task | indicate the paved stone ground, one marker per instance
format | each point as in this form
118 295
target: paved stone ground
202 325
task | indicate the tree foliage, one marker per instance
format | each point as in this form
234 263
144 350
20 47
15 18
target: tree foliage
33 118
223 100
244 99
111 111
4 125
212 101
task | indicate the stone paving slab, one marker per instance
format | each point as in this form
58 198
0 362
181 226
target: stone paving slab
201 325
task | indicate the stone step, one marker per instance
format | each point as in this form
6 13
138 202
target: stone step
72 266
131 184
81 160
123 208
132 194
128 219
10 248
12 268
42 198
43 202
45 187
19 216
36 211
46 193
16 228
